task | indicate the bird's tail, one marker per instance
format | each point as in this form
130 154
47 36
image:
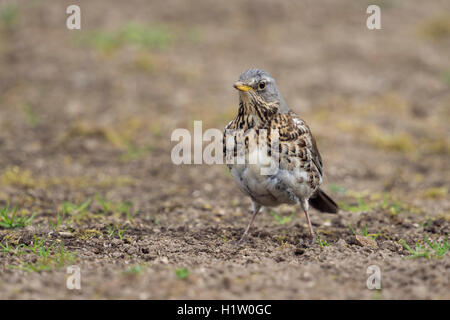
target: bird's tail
322 202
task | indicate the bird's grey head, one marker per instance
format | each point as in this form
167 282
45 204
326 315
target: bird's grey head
256 83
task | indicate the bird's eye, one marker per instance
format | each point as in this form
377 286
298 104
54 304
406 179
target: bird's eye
261 85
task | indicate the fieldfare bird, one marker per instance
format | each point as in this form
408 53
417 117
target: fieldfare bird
298 172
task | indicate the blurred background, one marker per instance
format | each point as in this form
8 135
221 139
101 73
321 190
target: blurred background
91 111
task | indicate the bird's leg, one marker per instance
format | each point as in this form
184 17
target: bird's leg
305 207
255 210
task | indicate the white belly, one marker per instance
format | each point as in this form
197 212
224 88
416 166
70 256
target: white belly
280 186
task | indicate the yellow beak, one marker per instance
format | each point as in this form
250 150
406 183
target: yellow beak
242 87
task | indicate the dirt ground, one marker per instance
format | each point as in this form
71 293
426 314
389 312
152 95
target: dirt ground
86 118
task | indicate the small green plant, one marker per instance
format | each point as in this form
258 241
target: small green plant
111 230
446 77
123 208
105 204
7 248
71 208
133 270
321 242
8 15
67 209
281 219
351 229
337 188
30 115
144 37
390 204
38 247
393 206
439 248
121 232
32 267
64 256
361 206
47 257
72 212
182 273
427 223
134 152
10 220
116 229
60 218
364 232
435 249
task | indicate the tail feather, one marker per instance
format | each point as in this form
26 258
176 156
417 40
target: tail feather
322 202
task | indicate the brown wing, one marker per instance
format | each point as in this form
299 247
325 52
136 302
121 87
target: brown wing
316 157
294 131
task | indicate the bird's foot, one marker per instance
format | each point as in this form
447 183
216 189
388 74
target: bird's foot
312 240
307 243
240 241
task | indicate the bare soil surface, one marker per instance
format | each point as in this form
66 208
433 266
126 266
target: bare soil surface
86 117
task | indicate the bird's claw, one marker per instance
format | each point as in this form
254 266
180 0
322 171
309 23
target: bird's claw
239 242
307 244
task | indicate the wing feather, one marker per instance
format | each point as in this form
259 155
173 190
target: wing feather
294 131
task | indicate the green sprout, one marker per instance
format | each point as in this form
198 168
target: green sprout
47 257
10 220
133 270
281 219
115 229
435 249
321 242
182 273
364 232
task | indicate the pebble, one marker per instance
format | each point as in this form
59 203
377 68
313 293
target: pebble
66 234
164 260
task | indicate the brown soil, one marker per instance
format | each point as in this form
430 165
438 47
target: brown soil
92 111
